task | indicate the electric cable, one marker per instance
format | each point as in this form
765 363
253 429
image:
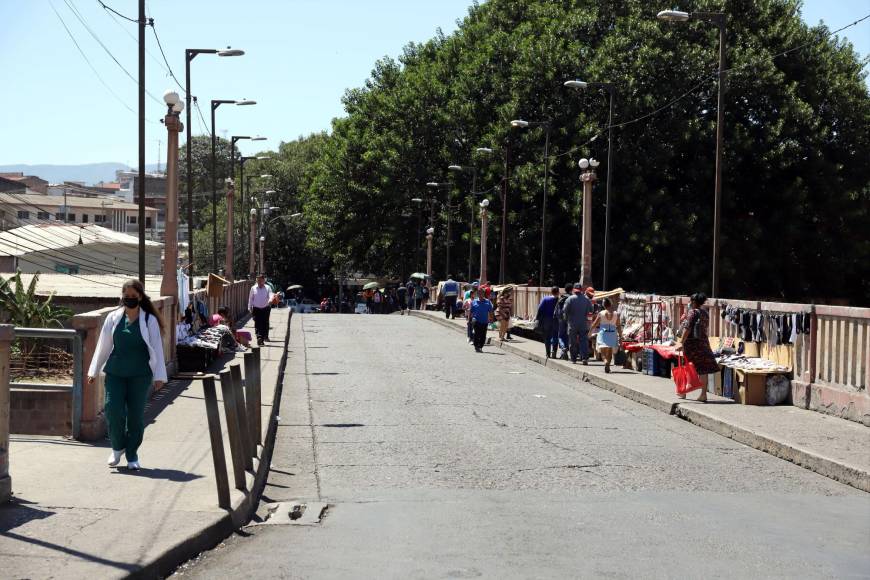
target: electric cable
87 60
81 19
68 239
37 247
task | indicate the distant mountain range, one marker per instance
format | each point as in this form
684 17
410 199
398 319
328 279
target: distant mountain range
90 173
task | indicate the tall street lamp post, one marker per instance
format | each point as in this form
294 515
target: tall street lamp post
484 229
474 193
437 185
169 283
587 177
521 124
611 89
719 19
430 232
215 103
244 185
230 254
419 203
189 55
252 245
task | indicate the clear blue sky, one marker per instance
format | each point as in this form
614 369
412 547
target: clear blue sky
300 57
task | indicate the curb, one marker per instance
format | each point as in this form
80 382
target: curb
242 512
844 473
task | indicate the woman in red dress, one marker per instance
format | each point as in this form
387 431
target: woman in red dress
695 343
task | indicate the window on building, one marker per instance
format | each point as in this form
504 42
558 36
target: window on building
131 219
84 218
66 268
70 217
43 215
23 214
99 219
147 222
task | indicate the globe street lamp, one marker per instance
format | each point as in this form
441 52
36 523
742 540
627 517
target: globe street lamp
521 124
430 232
215 103
588 176
169 283
419 203
189 55
610 88
720 20
484 230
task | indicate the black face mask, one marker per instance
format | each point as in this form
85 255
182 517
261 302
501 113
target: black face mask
131 302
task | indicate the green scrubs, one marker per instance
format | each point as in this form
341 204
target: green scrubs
128 379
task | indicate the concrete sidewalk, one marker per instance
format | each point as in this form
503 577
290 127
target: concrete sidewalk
73 517
828 445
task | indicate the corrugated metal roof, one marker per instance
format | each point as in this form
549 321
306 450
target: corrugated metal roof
48 202
86 285
44 237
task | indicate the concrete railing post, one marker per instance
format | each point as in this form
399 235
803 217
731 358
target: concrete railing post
252 395
7 335
237 450
217 442
93 424
249 449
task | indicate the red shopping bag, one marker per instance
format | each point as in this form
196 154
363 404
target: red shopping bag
685 376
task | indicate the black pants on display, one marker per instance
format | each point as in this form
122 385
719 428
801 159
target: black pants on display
479 334
261 322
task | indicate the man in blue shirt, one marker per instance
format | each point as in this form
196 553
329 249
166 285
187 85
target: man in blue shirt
449 294
481 314
547 323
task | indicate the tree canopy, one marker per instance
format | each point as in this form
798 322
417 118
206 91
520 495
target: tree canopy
796 189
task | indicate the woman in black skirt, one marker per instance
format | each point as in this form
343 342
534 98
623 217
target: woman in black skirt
694 342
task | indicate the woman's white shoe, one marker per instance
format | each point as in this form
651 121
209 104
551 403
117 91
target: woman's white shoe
115 457
133 465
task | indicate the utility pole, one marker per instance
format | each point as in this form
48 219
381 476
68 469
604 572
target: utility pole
230 254
141 219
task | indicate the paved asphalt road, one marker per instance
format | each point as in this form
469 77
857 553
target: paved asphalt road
438 462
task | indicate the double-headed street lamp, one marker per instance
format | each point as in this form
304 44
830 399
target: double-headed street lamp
521 124
215 103
719 19
610 88
189 55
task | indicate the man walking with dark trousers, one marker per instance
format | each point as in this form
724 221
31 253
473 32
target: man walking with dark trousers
449 294
259 305
482 314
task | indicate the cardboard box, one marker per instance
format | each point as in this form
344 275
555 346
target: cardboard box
752 388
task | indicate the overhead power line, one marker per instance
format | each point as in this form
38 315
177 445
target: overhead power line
110 9
94 35
87 60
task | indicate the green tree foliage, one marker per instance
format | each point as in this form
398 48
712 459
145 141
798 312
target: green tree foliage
202 183
20 305
796 201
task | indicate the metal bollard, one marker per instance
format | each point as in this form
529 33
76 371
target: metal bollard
232 414
217 442
252 397
242 413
